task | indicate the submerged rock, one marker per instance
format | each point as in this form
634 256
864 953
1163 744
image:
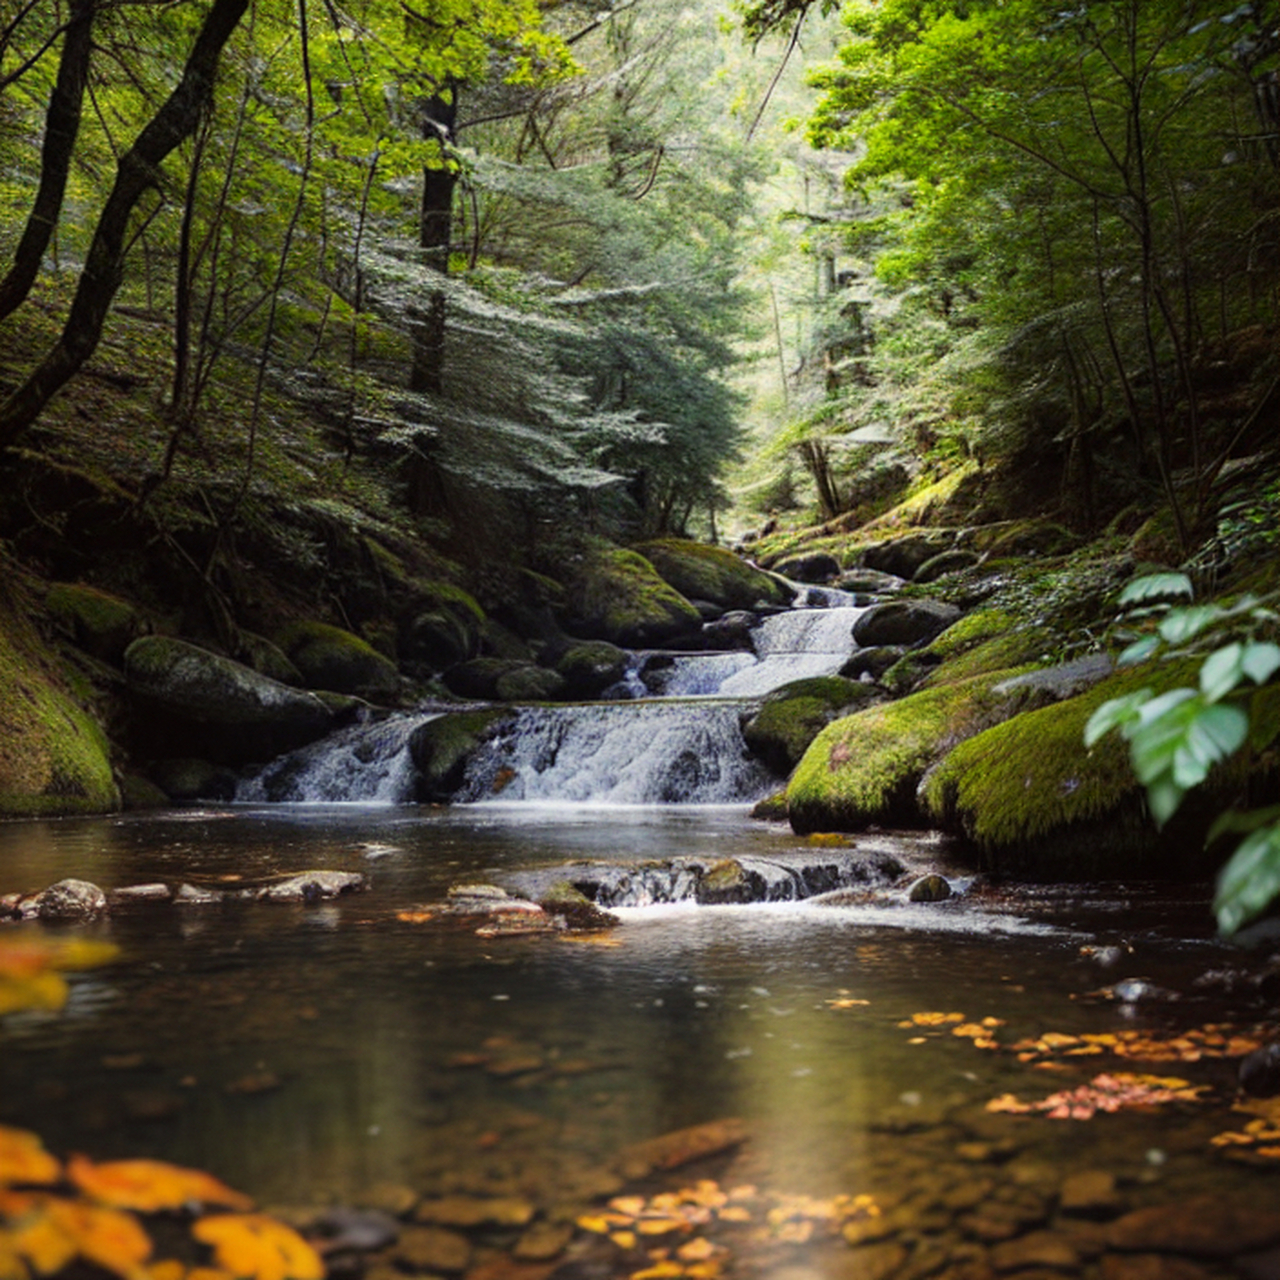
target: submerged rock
681 1147
930 888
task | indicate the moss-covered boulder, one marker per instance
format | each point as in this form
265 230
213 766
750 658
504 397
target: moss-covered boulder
480 677
190 701
903 556
590 668
945 562
791 717
865 768
441 747
530 683
54 758
701 572
267 659
1034 803
443 625
94 620
330 658
617 595
188 778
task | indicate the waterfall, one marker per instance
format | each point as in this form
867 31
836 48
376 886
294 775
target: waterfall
793 646
619 753
366 762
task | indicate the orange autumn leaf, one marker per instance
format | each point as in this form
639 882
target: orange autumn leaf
49 1232
23 1159
150 1185
933 1019
254 1245
166 1269
12 1266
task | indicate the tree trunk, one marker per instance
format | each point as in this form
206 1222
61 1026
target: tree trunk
103 270
61 125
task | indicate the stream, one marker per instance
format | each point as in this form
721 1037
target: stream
311 1053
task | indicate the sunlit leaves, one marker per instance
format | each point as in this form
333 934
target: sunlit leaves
48 1232
1260 1138
1104 1093
150 1185
258 1247
24 1161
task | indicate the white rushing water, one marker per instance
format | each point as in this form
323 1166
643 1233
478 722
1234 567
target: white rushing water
620 753
795 646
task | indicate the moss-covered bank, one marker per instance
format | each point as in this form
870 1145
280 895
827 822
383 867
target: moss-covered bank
54 757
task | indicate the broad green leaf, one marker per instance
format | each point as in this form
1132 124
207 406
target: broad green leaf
1221 671
1260 661
1241 822
1250 880
1182 625
1138 651
1212 735
1163 705
1110 714
1164 796
1157 586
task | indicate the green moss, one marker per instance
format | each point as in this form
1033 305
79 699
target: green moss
617 595
1026 792
702 572
972 629
100 623
330 658
54 758
864 768
440 748
791 717
1015 647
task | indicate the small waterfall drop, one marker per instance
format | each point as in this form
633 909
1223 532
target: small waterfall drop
794 646
366 763
619 753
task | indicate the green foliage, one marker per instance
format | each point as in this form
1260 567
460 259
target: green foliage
1178 736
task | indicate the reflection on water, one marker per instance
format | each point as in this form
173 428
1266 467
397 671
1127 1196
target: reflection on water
304 1053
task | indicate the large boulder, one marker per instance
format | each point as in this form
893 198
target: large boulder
200 703
503 680
54 757
441 747
791 717
701 572
617 595
1034 803
908 622
864 769
443 625
818 567
330 658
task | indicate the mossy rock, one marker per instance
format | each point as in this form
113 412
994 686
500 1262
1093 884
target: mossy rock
773 808
865 768
189 700
617 595
441 747
1014 647
791 717
701 572
442 626
139 793
330 658
1019 538
479 678
267 659
1034 803
591 667
54 757
530 683
95 621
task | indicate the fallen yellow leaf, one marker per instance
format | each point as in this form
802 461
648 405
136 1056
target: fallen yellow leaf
254 1245
23 1159
150 1185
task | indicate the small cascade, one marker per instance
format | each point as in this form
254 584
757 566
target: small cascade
366 763
619 753
693 675
794 646
823 597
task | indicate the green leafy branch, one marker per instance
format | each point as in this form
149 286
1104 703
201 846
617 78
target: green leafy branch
1176 737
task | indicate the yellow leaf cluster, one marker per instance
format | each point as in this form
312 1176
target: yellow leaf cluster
150 1185
1260 1138
258 1247
31 969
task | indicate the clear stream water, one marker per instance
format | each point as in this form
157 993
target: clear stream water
306 1053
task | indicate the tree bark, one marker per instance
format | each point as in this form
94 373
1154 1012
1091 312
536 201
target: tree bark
103 270
61 125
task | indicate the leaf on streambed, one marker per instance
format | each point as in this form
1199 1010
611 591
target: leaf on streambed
23 1159
254 1245
931 1019
1260 1138
48 1232
172 1269
846 1002
1213 1040
150 1185
415 917
1104 1093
